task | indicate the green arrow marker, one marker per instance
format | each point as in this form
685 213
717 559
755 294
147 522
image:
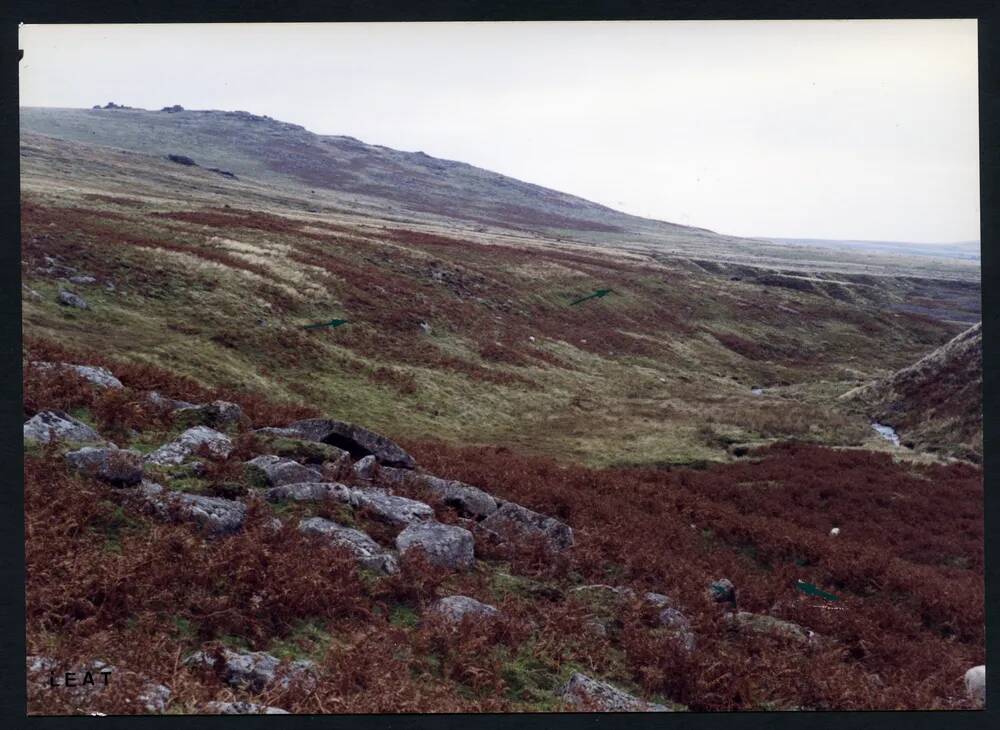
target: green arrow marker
331 323
814 591
596 294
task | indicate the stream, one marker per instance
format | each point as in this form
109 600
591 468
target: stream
887 432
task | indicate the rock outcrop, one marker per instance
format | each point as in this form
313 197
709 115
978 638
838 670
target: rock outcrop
118 467
467 499
59 426
587 694
368 552
241 708
215 515
513 520
356 440
391 508
272 471
99 376
457 608
444 545
254 671
70 299
189 443
975 684
309 492
761 624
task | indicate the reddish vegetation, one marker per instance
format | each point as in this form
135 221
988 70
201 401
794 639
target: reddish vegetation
907 566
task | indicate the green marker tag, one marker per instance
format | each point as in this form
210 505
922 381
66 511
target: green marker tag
331 323
814 591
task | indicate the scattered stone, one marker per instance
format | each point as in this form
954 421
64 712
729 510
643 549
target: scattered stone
444 545
762 624
585 693
722 591
215 515
162 401
390 508
975 684
515 518
69 299
309 492
308 452
241 708
190 442
368 552
59 426
272 471
365 468
360 442
215 414
467 499
254 670
834 532
456 608
672 618
99 376
425 327
154 697
38 663
120 467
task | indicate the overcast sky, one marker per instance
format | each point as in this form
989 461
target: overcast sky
819 129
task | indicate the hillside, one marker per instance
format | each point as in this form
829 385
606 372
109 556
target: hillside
936 403
302 432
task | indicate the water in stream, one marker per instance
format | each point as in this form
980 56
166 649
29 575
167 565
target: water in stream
887 432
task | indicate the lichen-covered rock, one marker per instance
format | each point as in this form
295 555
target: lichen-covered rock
217 414
154 697
722 591
189 443
679 625
445 545
271 471
391 508
101 377
975 684
467 499
368 552
59 426
456 608
365 468
513 518
309 492
119 467
359 441
301 450
69 299
761 624
241 708
215 515
587 694
254 670
157 399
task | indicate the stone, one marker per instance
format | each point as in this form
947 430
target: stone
119 467
390 508
457 608
190 442
307 452
69 299
309 492
364 468
445 545
82 279
761 624
672 618
272 471
217 413
722 591
467 499
587 694
511 517
99 376
369 553
241 708
253 670
162 401
59 426
975 684
359 441
214 515
154 697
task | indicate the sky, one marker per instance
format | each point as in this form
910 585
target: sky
859 129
